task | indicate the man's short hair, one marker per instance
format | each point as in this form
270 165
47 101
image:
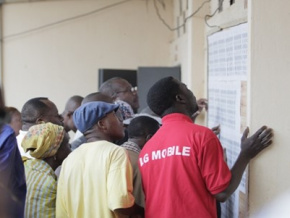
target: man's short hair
108 87
33 108
97 96
142 126
161 95
74 100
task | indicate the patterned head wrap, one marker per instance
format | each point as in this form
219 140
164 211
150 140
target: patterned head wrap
43 140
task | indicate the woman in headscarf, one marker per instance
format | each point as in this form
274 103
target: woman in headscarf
48 144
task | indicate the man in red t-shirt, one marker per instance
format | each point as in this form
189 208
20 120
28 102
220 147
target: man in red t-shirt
182 166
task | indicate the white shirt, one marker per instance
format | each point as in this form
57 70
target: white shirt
19 139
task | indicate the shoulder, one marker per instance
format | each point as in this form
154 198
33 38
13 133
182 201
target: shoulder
7 136
6 131
39 166
91 149
40 169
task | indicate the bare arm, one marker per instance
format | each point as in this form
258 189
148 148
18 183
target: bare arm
250 147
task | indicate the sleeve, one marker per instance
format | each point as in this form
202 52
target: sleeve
119 181
9 157
138 190
137 180
12 175
214 169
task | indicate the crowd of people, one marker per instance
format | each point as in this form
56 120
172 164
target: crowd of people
117 164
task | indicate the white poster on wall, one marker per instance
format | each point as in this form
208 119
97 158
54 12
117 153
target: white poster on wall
227 76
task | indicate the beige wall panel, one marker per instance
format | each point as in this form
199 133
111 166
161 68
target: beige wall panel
63 59
269 93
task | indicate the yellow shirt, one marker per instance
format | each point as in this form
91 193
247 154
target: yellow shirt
95 179
41 189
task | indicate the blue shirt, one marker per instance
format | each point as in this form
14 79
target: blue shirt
12 176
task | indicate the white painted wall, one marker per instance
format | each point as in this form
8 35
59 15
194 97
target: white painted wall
63 60
188 49
269 82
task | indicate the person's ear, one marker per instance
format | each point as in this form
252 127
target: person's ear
102 124
39 120
180 98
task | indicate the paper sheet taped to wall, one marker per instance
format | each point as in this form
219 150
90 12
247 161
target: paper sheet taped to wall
227 97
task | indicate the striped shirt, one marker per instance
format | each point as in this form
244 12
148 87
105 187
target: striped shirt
41 189
131 146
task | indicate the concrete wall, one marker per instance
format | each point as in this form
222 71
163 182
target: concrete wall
268 79
269 104
188 48
63 59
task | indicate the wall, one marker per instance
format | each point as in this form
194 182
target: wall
188 47
270 52
62 60
268 88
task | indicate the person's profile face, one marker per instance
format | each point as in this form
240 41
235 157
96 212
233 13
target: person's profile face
115 128
125 92
68 121
191 99
52 114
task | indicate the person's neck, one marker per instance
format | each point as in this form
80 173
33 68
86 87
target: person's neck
52 162
137 141
175 110
94 138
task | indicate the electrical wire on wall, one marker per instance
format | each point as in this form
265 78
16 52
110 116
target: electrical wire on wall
64 20
114 5
214 13
190 16
185 20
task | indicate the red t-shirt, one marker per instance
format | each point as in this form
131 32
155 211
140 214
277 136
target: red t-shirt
182 167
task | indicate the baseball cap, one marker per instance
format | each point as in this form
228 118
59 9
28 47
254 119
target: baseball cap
88 114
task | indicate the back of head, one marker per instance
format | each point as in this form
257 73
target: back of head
32 109
73 102
161 96
142 126
10 112
13 119
97 96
